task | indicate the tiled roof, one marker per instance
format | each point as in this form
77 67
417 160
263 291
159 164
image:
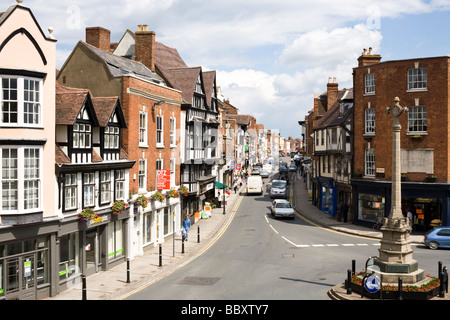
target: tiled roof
333 116
166 59
243 119
119 66
68 103
185 79
104 107
209 78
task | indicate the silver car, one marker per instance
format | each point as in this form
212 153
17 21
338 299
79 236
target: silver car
282 208
278 189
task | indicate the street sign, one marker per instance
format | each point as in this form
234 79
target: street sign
372 284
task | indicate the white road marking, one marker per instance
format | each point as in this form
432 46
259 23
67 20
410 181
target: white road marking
319 245
273 229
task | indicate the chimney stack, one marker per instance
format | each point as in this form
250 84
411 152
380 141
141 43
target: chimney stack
332 92
98 37
368 58
145 46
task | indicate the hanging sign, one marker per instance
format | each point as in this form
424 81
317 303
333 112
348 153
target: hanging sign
162 179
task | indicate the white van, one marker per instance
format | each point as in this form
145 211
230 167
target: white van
254 185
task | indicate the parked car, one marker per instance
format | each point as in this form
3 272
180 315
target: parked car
278 189
264 174
439 237
282 208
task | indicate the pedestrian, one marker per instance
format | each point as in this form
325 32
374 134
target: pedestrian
235 187
344 209
409 215
186 226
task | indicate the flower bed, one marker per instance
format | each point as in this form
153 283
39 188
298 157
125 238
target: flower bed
426 291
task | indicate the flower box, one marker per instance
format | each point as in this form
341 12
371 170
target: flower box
157 196
142 201
118 207
87 215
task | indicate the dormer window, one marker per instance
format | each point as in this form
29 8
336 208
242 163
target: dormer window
82 136
111 137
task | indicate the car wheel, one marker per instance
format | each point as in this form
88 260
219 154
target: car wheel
433 245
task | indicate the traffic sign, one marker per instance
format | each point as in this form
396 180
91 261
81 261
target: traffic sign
373 283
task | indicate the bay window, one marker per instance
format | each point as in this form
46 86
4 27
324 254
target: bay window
21 177
20 101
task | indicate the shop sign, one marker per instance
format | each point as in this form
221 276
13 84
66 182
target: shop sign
99 219
162 179
27 268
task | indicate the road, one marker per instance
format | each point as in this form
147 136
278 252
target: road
263 258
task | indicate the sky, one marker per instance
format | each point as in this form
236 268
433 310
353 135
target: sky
270 56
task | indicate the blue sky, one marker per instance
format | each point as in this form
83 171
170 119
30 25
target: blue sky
271 56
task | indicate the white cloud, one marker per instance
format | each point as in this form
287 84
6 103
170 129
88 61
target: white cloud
328 48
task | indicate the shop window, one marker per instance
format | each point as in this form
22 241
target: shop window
115 240
69 258
370 208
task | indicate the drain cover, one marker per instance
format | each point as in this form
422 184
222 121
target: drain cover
287 255
199 281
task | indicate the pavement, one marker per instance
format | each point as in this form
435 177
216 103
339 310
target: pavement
145 270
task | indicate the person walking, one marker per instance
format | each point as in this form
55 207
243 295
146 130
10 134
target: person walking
344 209
186 226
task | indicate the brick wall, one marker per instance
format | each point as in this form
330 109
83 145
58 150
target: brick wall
98 37
132 104
390 82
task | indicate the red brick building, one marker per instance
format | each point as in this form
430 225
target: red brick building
152 110
422 85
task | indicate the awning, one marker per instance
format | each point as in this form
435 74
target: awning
219 185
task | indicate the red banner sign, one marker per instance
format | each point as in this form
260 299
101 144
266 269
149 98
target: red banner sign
162 179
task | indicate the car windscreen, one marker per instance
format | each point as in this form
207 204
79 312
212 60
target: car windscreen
283 205
279 185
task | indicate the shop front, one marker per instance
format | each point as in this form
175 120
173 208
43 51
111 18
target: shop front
428 203
327 195
25 262
88 248
156 222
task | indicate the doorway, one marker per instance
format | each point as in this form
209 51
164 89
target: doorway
20 277
91 248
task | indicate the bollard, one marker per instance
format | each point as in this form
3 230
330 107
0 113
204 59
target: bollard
349 281
198 234
182 245
353 266
400 288
441 285
160 255
446 278
128 270
439 268
84 293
